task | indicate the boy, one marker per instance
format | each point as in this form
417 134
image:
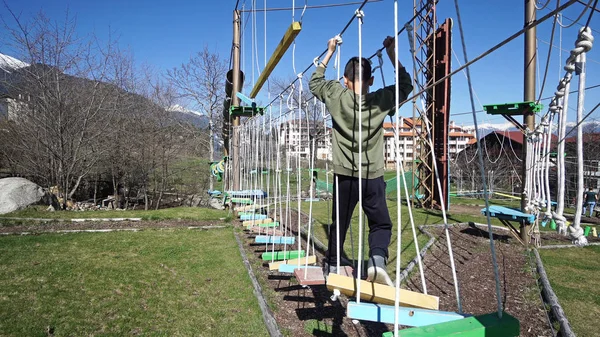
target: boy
343 105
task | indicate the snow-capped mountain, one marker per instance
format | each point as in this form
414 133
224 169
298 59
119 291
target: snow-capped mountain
9 63
191 116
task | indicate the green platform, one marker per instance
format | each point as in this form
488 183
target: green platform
488 325
246 111
278 256
512 109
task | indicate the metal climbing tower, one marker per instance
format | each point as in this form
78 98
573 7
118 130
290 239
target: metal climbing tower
430 119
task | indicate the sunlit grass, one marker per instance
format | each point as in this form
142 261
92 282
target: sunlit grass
187 213
573 274
167 283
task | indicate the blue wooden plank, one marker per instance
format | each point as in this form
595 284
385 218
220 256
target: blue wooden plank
507 213
289 268
253 217
275 239
248 193
247 100
407 316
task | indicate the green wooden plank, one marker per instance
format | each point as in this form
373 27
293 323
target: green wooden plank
488 325
246 201
265 225
278 256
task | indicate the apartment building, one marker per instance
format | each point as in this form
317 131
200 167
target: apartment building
296 135
458 139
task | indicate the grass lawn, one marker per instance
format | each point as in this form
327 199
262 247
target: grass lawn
573 274
188 213
167 283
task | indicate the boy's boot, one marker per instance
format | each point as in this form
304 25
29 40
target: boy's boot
376 271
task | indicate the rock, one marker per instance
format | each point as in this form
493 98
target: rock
18 193
216 203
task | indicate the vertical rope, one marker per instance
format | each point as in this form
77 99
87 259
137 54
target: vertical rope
299 172
398 194
486 196
359 15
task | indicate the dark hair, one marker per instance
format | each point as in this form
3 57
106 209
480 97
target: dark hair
352 69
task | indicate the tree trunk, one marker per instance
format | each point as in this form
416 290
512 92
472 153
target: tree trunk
95 190
211 149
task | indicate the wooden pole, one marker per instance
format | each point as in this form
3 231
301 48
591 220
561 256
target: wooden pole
235 167
528 95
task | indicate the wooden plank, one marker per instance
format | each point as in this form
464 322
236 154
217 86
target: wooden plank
282 255
488 325
289 268
265 225
249 207
282 47
275 239
311 260
309 276
253 217
256 221
406 316
379 293
263 230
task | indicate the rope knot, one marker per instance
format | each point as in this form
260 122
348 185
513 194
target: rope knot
359 14
338 39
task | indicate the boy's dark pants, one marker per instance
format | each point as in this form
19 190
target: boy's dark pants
375 208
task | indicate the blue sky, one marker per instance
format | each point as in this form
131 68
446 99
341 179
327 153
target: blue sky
163 34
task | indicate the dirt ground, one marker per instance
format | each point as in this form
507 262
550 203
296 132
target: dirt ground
301 311
310 312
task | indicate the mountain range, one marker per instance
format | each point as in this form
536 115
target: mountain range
9 68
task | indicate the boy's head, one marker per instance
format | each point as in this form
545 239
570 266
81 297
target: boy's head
351 74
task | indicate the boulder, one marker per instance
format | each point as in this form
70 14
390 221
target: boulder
17 193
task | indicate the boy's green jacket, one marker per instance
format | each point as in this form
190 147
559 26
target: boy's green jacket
343 106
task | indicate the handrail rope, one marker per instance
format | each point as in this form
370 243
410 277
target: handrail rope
476 59
340 34
587 23
491 50
579 17
359 15
549 51
543 6
481 167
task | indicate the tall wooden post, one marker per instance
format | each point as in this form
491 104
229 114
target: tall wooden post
235 167
528 95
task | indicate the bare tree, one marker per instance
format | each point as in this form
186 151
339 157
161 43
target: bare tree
201 81
65 100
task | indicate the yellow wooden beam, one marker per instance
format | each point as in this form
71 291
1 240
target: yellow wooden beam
380 293
507 195
249 207
311 260
282 47
256 222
